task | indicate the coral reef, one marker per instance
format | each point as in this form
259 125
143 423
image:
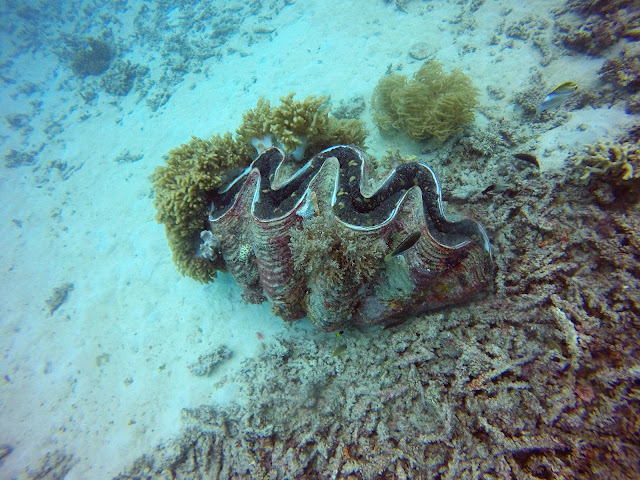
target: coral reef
624 74
607 22
602 6
617 161
92 58
58 296
431 104
206 364
121 77
194 171
313 242
541 381
14 159
594 35
624 71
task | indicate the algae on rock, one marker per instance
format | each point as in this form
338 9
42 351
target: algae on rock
431 104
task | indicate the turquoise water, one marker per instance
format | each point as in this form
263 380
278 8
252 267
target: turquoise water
109 354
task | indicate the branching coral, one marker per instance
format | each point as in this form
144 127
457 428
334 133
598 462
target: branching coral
619 161
432 104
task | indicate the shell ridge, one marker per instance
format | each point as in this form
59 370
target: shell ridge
256 217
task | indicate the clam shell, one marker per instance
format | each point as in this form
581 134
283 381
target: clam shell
256 215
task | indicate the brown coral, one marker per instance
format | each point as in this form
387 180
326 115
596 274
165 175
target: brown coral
619 161
595 34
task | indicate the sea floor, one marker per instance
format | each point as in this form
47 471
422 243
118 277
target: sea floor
98 330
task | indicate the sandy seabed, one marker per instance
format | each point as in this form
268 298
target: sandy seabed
97 328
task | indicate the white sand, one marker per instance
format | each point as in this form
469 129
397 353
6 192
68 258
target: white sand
104 378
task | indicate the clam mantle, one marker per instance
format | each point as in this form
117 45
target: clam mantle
259 223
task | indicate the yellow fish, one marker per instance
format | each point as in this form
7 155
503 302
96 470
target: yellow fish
557 96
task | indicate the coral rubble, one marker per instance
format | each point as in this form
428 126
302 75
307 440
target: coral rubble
541 381
431 104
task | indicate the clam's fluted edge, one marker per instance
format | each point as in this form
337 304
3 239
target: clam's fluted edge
317 240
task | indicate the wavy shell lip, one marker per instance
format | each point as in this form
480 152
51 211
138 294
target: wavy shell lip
260 208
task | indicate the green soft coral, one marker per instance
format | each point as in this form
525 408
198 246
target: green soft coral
433 104
195 170
181 197
303 124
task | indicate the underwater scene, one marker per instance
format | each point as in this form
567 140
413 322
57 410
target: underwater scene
305 239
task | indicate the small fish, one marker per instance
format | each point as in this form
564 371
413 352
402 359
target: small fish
5 450
339 351
528 157
498 188
405 245
490 188
339 333
557 96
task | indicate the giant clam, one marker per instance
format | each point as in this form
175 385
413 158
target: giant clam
258 222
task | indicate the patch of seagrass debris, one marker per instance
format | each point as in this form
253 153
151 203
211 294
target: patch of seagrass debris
206 364
54 466
15 159
58 296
